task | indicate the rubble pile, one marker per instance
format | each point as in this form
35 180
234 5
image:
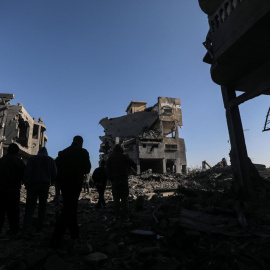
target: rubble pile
176 222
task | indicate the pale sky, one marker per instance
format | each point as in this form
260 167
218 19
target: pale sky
75 62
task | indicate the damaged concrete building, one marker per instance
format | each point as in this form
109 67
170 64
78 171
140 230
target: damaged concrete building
238 52
150 136
17 126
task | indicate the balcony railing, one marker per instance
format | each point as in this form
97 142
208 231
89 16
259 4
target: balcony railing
223 13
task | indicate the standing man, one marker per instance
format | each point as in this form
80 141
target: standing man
100 180
86 180
12 171
118 167
40 172
72 164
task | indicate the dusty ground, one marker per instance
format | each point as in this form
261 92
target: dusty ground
181 222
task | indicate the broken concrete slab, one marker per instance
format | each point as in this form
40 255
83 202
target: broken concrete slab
96 257
144 234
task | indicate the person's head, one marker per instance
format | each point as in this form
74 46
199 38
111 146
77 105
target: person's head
13 149
78 140
43 151
118 149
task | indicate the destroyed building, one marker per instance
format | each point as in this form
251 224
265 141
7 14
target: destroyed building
238 52
17 126
149 136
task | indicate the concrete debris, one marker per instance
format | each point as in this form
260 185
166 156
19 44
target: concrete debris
222 163
17 126
143 233
96 257
149 136
163 232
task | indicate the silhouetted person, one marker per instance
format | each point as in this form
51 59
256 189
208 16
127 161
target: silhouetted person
40 172
100 180
86 180
72 164
11 177
118 167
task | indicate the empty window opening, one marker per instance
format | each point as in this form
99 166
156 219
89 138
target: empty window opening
170 166
184 169
170 147
167 111
150 146
35 132
23 132
171 135
155 164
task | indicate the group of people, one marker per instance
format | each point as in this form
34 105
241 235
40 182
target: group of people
67 172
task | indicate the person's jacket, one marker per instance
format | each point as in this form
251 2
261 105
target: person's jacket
72 164
100 176
119 166
11 172
40 169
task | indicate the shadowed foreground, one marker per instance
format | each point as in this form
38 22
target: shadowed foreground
176 222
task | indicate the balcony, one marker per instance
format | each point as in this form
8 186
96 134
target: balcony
238 42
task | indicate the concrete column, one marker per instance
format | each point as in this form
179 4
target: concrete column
42 139
239 156
178 166
161 128
164 165
138 156
39 137
138 169
1 149
176 130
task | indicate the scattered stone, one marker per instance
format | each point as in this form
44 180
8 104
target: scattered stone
143 233
96 257
150 195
